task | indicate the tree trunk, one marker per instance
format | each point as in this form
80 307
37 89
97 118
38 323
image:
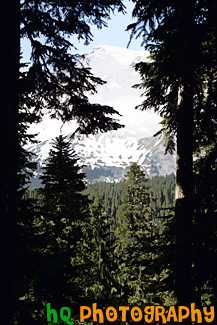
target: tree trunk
184 164
184 197
9 73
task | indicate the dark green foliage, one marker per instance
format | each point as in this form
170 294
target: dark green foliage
63 182
161 191
205 276
95 259
28 260
135 236
62 208
180 83
26 229
51 231
54 80
111 196
205 226
25 166
66 242
144 249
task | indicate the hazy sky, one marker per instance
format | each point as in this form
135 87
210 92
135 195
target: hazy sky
115 34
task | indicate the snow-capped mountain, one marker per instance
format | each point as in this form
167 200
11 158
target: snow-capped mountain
108 155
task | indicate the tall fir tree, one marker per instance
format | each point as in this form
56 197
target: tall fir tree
95 259
26 229
54 80
9 67
136 236
57 229
176 33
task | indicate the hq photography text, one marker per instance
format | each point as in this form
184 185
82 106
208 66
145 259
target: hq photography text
135 314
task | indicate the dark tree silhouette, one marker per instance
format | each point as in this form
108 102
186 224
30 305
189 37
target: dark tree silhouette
54 81
9 69
176 34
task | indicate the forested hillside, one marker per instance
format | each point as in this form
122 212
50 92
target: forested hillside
161 191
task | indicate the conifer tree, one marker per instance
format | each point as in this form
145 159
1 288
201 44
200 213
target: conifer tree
177 82
54 81
26 228
136 234
63 183
95 259
205 277
57 231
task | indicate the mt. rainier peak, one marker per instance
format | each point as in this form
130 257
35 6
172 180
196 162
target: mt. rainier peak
116 149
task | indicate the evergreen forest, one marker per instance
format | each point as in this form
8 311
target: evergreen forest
142 242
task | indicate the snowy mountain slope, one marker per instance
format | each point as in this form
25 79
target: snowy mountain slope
115 65
106 156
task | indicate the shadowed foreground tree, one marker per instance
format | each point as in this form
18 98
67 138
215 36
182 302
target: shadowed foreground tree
26 256
205 225
9 70
52 230
54 80
63 208
177 34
